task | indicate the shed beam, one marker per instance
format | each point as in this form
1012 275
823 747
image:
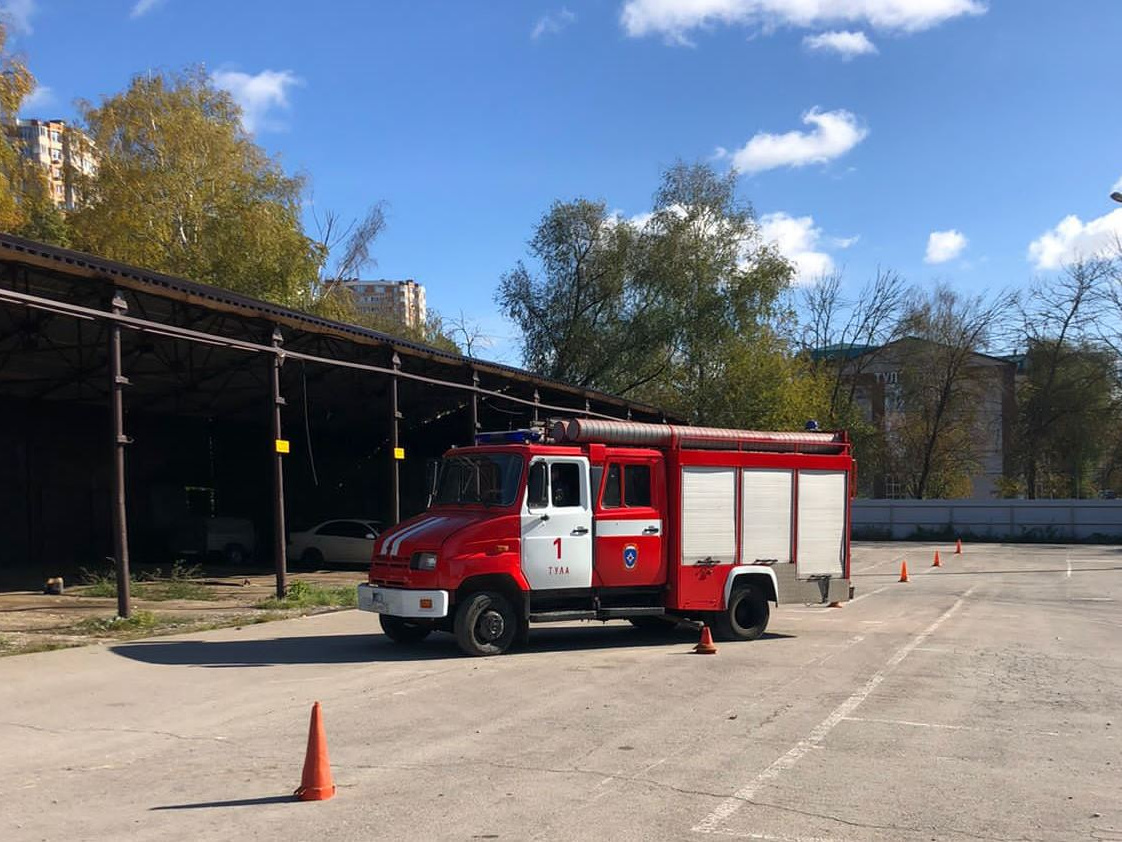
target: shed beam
279 536
117 384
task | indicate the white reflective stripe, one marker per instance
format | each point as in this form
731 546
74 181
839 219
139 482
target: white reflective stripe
411 532
627 528
395 542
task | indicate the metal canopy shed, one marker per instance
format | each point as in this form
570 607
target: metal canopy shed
206 389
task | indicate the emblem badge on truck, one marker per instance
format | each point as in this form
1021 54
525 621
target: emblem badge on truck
630 556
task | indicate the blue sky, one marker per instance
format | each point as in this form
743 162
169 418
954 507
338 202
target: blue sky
959 140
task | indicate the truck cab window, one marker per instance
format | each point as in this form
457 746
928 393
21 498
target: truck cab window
564 481
612 497
637 485
537 487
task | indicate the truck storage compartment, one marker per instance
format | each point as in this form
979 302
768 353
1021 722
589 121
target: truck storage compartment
708 515
823 505
766 515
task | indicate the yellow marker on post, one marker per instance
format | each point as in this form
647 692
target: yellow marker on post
399 453
282 446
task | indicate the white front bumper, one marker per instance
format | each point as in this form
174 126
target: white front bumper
399 602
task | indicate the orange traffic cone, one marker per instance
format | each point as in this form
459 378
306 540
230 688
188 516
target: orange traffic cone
936 562
316 783
958 546
705 646
903 571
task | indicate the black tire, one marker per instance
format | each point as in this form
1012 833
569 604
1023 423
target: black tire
486 624
746 616
653 624
400 630
234 554
311 559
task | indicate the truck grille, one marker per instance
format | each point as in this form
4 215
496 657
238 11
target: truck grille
387 571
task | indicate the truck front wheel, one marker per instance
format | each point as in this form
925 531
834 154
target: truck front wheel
746 616
486 624
400 630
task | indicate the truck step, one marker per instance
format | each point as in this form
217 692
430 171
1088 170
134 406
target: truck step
602 614
558 616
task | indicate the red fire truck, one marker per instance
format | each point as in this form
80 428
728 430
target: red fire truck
603 520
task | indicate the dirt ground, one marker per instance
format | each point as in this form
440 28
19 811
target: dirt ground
32 621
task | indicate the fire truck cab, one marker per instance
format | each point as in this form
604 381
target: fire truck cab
605 520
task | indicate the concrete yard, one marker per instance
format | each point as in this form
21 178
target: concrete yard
982 700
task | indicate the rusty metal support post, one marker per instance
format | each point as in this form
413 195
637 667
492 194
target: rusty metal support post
587 407
395 466
117 384
537 400
280 538
474 407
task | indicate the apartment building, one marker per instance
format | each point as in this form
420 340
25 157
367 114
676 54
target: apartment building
403 301
62 151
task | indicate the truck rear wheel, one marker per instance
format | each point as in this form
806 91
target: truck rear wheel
400 630
486 624
746 616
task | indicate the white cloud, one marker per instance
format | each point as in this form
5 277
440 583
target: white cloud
1117 186
143 7
675 19
553 23
41 97
798 239
944 245
845 242
846 44
17 15
258 95
1073 239
834 134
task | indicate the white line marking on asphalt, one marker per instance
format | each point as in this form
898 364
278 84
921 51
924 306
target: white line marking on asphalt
1091 599
870 593
767 837
730 805
1069 568
950 727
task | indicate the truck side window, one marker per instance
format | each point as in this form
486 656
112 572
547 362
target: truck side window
637 485
564 480
537 487
611 498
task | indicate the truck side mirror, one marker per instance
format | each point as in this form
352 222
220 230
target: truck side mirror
537 487
432 475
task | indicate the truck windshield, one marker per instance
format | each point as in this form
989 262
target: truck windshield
488 478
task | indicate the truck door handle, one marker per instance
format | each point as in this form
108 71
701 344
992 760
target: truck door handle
580 530
651 530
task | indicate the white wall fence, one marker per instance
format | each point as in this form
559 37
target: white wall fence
1041 520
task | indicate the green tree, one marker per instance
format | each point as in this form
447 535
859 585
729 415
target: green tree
16 176
716 288
1066 403
41 218
682 308
576 310
181 188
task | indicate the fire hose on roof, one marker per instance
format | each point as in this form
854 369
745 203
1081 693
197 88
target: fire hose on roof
591 430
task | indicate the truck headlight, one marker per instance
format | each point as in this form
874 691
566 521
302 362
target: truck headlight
423 561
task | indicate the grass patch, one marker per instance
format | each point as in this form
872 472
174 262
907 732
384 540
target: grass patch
181 582
140 620
302 594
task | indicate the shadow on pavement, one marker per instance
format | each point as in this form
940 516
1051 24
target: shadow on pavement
238 802
374 647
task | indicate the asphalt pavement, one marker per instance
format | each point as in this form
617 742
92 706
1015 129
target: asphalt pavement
981 700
